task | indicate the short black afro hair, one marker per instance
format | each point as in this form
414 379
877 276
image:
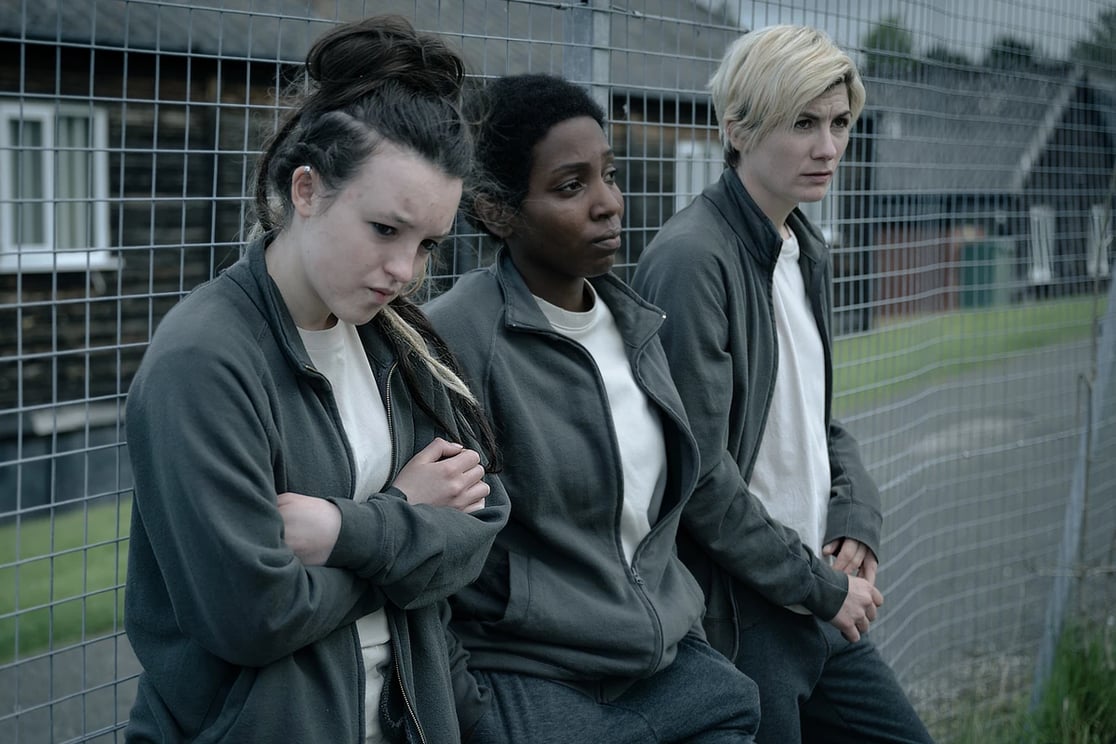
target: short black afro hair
510 115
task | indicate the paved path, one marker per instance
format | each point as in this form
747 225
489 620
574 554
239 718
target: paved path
69 696
975 480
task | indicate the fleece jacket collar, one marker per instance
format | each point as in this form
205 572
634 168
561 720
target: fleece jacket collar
757 233
639 319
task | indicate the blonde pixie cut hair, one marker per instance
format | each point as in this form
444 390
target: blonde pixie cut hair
768 76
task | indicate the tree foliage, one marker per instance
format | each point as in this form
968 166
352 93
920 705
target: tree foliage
942 55
1009 53
887 46
1099 49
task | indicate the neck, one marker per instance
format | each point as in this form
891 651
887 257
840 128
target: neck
574 298
776 212
568 293
285 270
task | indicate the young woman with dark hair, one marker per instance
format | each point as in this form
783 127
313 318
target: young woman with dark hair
310 471
584 625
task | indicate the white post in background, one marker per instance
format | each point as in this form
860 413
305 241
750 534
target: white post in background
585 59
1100 241
1042 245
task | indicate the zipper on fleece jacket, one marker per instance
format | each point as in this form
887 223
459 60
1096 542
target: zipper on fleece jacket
362 679
632 571
385 392
407 698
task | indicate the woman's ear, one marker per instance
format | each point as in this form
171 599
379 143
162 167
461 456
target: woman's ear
497 217
303 181
732 134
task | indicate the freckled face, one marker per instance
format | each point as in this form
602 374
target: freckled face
360 248
568 227
795 165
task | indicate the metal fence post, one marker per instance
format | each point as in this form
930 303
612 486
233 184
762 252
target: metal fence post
1067 568
586 56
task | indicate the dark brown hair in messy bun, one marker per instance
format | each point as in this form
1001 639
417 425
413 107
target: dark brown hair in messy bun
340 60
369 81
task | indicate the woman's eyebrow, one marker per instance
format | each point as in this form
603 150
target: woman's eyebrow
574 166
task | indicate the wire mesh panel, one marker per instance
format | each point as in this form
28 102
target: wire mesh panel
970 225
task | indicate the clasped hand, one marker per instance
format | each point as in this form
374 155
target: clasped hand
441 474
863 599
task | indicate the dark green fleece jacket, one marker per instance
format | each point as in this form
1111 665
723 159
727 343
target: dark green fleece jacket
711 269
557 598
239 641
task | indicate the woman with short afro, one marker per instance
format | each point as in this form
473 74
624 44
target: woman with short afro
584 625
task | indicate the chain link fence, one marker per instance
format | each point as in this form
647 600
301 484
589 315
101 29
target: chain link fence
971 226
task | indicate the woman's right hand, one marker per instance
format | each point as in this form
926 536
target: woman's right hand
859 609
444 474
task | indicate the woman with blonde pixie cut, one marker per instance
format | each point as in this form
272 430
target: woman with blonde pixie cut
769 76
783 529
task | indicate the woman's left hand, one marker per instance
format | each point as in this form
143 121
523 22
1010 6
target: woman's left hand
853 557
311 526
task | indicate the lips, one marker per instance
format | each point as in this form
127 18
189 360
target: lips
610 240
382 296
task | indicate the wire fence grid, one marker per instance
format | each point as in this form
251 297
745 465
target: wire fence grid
971 226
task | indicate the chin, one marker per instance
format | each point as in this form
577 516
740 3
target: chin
604 265
361 318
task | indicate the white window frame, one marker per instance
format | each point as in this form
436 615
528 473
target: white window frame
47 256
1041 270
697 163
1100 241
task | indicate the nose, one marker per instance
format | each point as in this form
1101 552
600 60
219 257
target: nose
401 266
825 148
608 201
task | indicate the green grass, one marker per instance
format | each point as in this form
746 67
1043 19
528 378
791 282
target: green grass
916 352
61 577
1078 704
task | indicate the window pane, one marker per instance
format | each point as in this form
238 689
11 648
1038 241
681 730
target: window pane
28 179
1042 244
73 187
